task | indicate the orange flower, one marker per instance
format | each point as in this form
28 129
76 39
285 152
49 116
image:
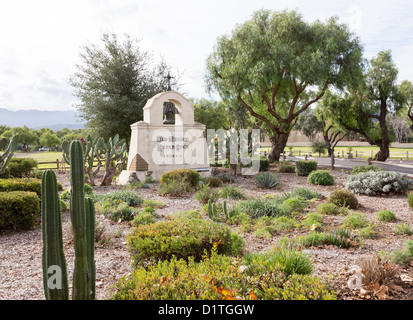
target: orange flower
253 296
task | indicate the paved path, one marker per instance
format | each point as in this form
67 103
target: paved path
342 163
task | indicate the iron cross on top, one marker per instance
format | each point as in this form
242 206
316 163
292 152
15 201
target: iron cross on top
169 77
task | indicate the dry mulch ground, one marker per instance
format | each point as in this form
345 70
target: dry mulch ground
20 252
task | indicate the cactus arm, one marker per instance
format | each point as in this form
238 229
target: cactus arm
90 226
9 151
81 276
53 254
66 152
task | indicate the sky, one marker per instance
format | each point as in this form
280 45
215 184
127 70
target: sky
41 40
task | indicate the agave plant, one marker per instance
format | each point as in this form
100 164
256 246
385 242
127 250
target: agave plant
267 180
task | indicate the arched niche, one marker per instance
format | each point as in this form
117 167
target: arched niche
153 110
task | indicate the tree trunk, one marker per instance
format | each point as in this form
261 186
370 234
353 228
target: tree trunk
383 154
278 145
384 144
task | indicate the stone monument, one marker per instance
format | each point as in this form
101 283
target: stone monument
168 138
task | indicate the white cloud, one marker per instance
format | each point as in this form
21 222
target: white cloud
41 39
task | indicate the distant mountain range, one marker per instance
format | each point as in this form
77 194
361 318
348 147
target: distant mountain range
36 119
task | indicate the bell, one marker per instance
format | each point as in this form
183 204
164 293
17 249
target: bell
169 111
169 118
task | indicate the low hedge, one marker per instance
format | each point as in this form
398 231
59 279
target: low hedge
305 167
189 175
18 210
320 177
26 184
182 238
21 167
179 182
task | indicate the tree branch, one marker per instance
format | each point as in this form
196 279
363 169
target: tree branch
254 114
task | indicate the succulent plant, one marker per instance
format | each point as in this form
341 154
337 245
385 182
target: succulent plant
82 214
8 147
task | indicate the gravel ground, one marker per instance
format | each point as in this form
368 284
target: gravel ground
20 252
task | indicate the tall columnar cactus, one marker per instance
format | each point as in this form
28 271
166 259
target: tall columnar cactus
8 147
55 285
83 227
82 215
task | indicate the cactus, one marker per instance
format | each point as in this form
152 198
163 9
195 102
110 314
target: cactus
82 215
81 224
114 154
53 254
90 153
225 209
8 147
212 210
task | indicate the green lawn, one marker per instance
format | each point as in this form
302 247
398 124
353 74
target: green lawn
362 152
44 156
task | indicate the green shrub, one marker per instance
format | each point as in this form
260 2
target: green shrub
286 168
219 277
355 220
35 173
187 215
225 178
341 238
258 207
374 183
267 180
386 216
364 168
305 193
25 184
264 164
285 223
18 210
135 185
175 188
344 198
63 205
130 197
147 216
305 167
5 174
367 232
190 176
122 212
294 205
313 219
320 177
403 229
179 182
410 199
288 260
266 232
205 193
231 192
328 209
21 167
213 182
183 238
405 255
156 204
